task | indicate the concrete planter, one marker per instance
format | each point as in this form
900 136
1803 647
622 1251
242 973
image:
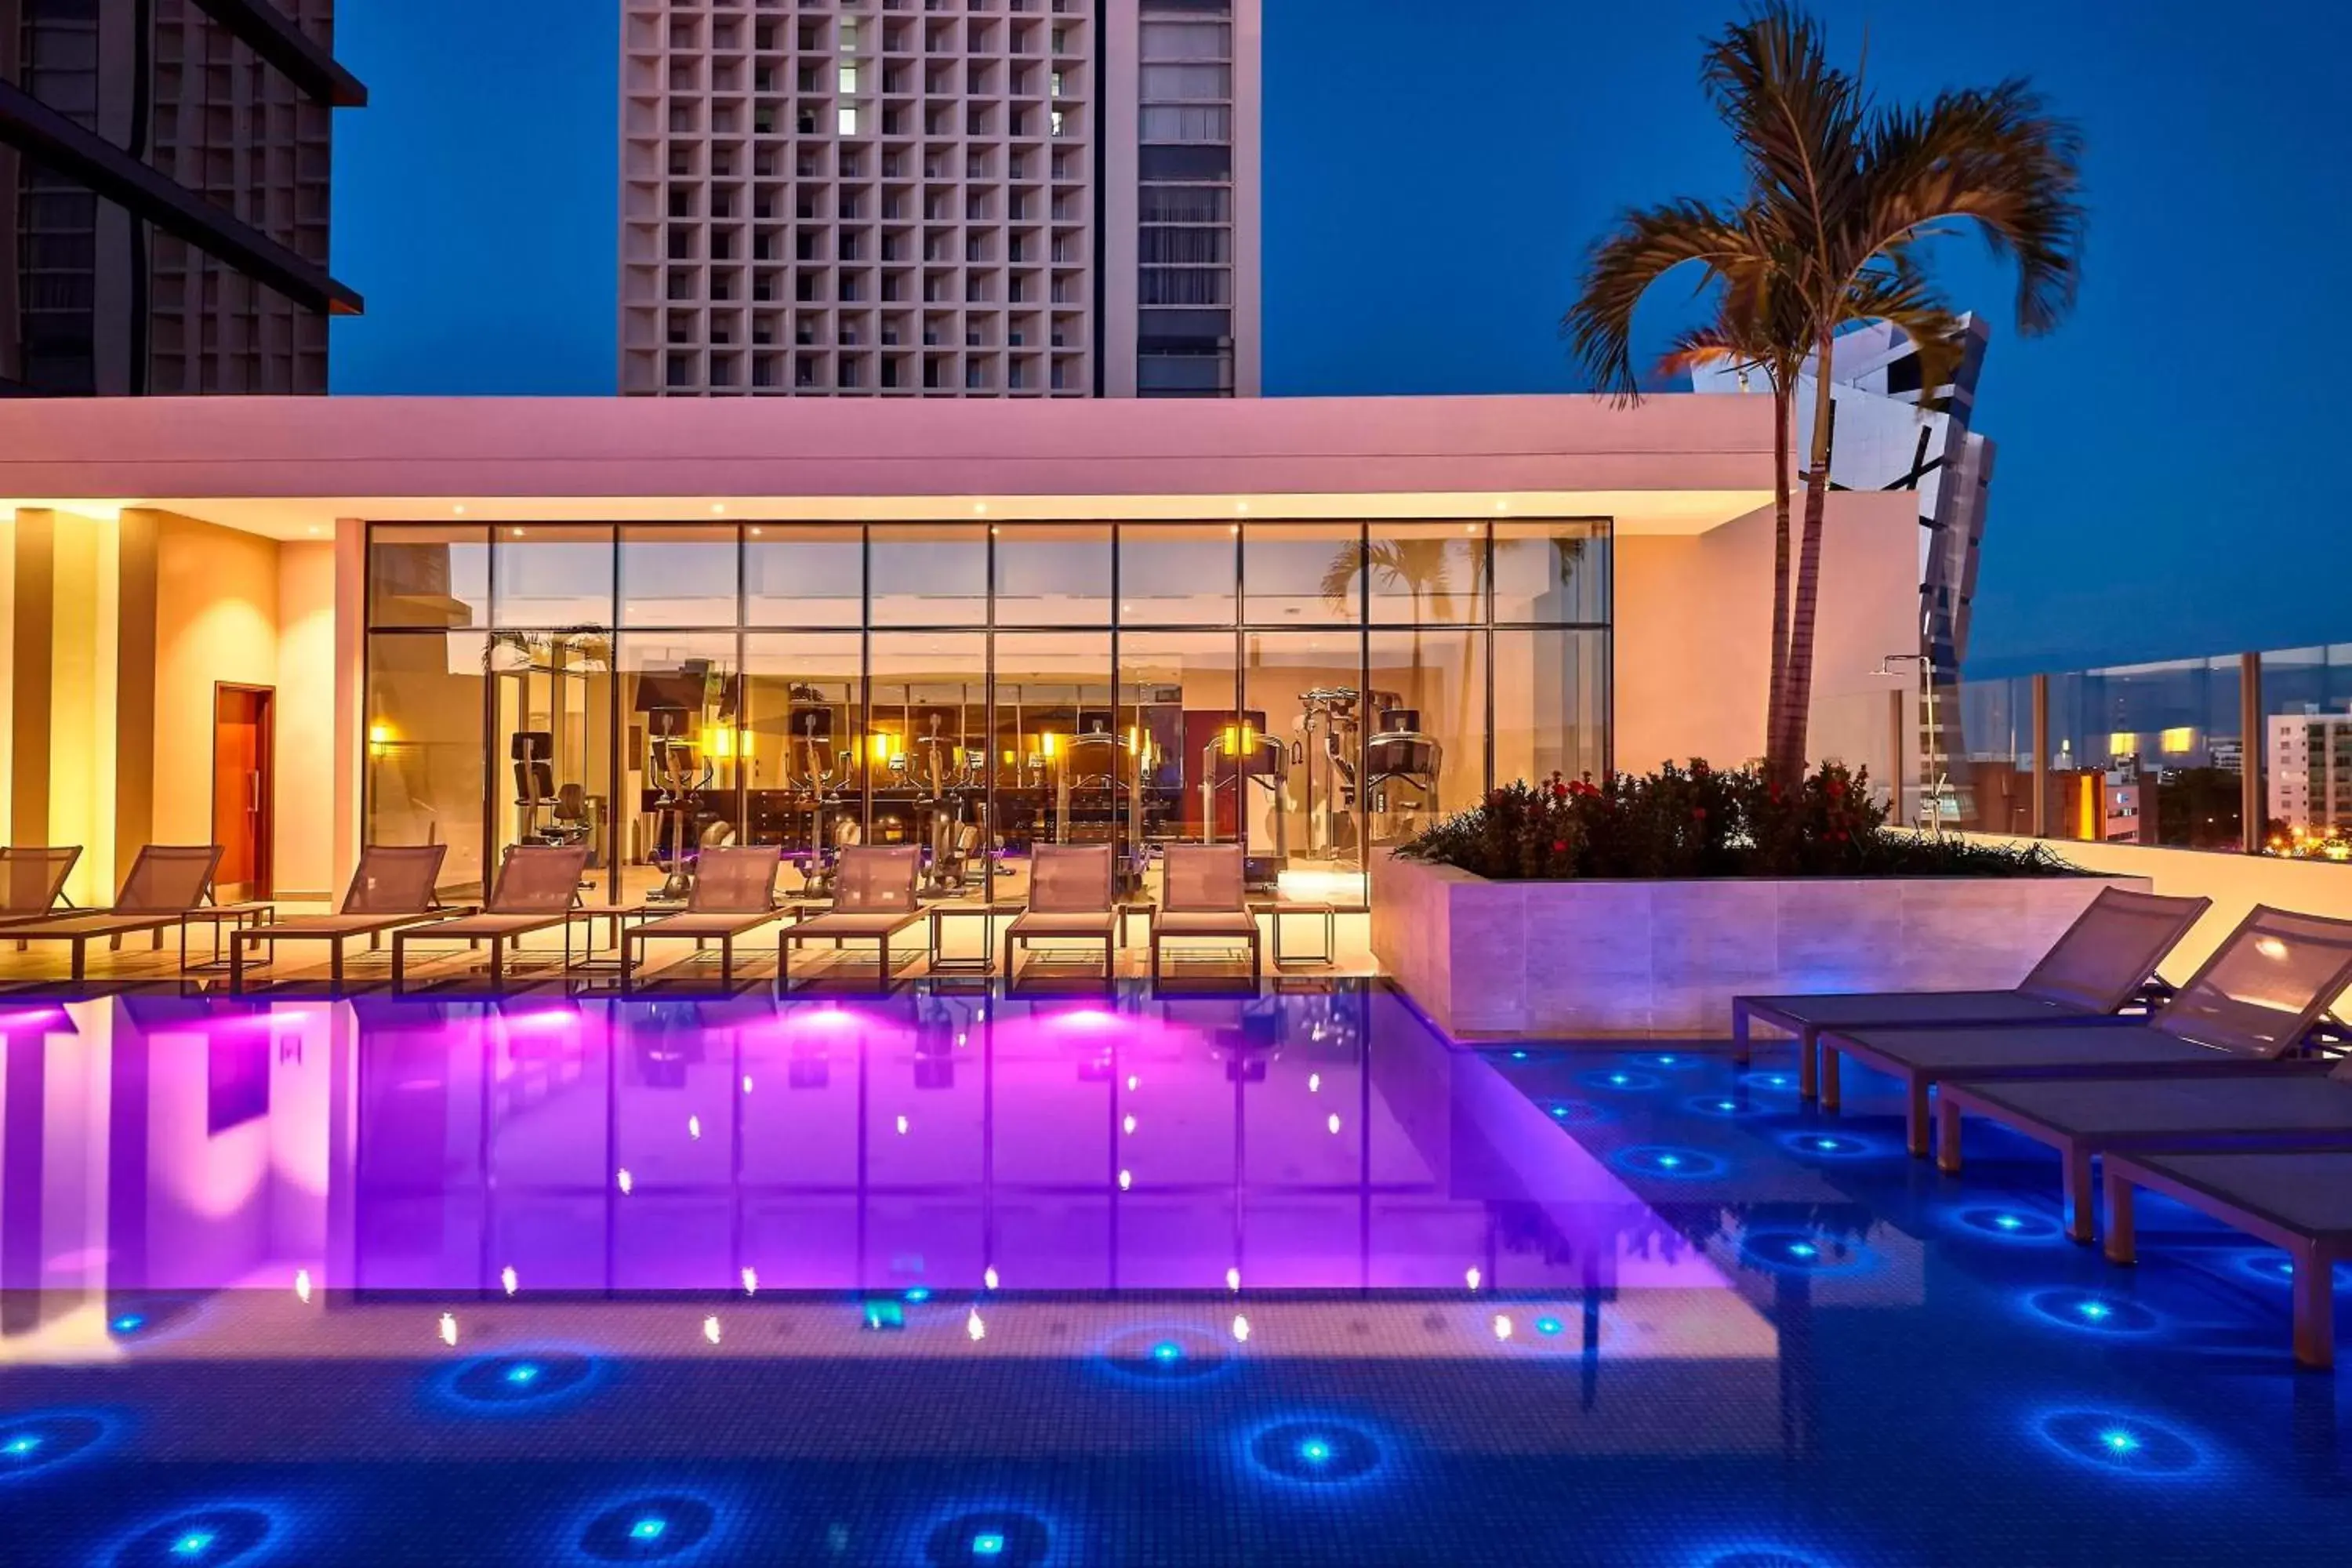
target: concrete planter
1580 960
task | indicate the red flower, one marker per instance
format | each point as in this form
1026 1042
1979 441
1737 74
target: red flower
1559 791
1560 845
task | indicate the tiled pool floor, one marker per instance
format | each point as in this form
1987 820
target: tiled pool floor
1697 1335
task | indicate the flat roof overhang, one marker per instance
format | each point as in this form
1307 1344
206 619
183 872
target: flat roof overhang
287 468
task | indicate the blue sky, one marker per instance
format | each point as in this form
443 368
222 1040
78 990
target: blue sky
1433 178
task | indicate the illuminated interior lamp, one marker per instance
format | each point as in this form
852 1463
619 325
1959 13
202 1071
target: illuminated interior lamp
379 737
1048 743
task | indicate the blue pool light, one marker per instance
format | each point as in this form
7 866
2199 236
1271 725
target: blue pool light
2007 1222
522 1371
1167 1350
919 1295
1670 1162
885 1315
1803 1249
128 1323
1620 1080
2097 1311
1547 1325
2119 1445
2085 1313
1666 1061
2115 1441
1314 1450
988 1544
649 1528
196 1543
1518 1055
18 1446
1726 1105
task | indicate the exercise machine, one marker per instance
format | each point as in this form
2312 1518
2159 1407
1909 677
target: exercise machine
1325 757
1401 768
945 773
1091 762
1260 761
815 770
545 812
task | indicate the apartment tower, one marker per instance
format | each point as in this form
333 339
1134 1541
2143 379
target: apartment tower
165 168
901 198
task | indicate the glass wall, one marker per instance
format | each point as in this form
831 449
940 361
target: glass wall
1308 690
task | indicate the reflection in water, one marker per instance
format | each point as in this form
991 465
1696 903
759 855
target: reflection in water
1323 1141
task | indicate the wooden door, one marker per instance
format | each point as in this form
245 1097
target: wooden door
242 793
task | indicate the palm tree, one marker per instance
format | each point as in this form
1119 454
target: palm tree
1841 192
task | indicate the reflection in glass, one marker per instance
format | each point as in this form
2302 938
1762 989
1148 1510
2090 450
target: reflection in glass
1427 573
1309 687
678 577
925 748
1064 772
804 574
930 575
428 576
1551 704
554 728
1053 574
682 704
1178 574
1177 694
1425 751
2305 752
1553 571
803 746
1302 573
550 576
425 749
2141 754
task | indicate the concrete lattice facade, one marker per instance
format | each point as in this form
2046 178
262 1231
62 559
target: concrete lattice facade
1021 198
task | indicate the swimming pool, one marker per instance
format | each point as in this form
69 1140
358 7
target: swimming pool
952 1279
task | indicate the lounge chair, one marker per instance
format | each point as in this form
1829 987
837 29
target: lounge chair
2300 1200
873 901
2096 966
536 887
167 883
393 888
1069 900
2254 1000
734 893
1203 895
31 881
2276 1104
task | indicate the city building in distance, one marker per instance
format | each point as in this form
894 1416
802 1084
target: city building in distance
165 168
986 198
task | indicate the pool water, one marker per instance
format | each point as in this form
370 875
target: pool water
952 1279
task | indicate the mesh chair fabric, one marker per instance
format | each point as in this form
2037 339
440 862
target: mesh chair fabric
2111 949
1201 878
395 879
2265 987
1069 879
31 879
537 879
876 880
168 879
736 879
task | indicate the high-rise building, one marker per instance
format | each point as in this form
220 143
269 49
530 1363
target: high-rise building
2310 773
165 173
940 197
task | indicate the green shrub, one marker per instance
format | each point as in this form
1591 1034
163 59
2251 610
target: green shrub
1697 821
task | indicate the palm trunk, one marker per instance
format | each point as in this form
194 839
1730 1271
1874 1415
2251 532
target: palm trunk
1775 698
1797 703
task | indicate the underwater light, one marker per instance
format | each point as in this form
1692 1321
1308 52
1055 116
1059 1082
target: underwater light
1128 1125
509 1280
1518 1055
710 1329
302 1286
1546 1326
1240 1329
1126 1180
2007 1222
919 1294
988 1544
1502 1327
974 1327
626 1181
988 1276
1726 1105
522 1371
192 1544
1315 1451
649 1528
1315 1083
1803 1249
1470 1277
2115 1441
1670 1161
1618 1079
1167 1350
128 1323
1332 1123
1232 1280
1560 1110
448 1328
2095 1311
17 1447
1666 1061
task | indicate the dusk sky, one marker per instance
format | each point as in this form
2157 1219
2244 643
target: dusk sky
1433 179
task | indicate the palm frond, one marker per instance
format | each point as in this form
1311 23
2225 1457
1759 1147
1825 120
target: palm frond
1795 118
1649 243
1998 157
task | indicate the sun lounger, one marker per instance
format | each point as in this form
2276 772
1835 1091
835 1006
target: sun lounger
734 893
167 883
1069 900
873 900
393 888
2274 1104
2098 963
2300 1200
1203 895
31 881
2256 999
536 886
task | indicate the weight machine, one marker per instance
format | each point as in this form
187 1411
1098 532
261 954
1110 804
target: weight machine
1402 758
1259 760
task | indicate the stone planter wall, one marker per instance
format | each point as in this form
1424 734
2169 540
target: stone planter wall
1588 960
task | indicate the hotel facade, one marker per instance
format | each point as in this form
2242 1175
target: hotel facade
299 628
